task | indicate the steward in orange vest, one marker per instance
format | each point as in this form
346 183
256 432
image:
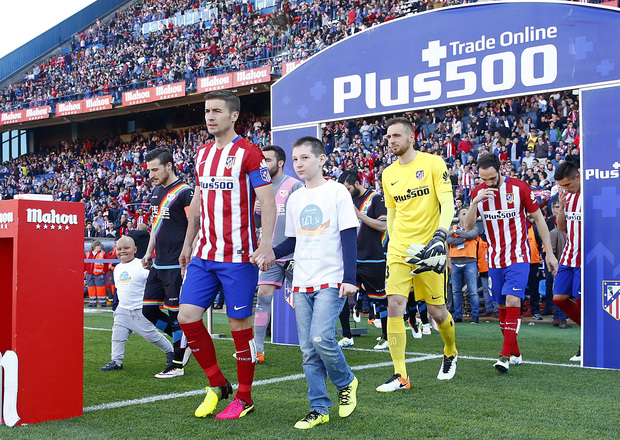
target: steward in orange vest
535 243
96 275
463 248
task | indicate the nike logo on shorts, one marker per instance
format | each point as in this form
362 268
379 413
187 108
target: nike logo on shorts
515 289
239 308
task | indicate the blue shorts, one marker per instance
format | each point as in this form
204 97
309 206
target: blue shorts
511 280
568 281
204 278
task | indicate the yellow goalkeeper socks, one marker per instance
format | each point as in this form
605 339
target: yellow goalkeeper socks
397 338
446 330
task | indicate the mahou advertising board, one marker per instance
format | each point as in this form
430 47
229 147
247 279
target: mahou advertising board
41 266
29 114
151 94
235 79
84 106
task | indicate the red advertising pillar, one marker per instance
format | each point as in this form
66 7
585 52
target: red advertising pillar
41 317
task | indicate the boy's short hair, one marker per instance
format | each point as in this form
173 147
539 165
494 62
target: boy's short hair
95 243
232 101
127 238
316 146
279 152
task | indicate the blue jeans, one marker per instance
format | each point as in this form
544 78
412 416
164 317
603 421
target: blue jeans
489 306
465 158
467 273
317 314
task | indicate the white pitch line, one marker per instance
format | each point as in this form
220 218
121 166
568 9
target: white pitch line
473 358
256 383
409 353
99 329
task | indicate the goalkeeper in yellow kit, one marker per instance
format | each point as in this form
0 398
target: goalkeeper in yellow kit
418 198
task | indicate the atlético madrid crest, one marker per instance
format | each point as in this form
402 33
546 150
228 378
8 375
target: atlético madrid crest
510 198
288 296
230 162
419 174
611 298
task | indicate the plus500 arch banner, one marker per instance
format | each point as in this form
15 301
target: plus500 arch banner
453 55
600 173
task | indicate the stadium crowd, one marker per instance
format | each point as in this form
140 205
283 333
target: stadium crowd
108 174
115 56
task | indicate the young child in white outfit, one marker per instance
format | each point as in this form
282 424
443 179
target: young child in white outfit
130 279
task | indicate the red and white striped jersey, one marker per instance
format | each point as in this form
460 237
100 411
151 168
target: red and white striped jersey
226 178
467 179
505 222
571 255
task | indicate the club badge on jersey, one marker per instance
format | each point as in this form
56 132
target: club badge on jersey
264 171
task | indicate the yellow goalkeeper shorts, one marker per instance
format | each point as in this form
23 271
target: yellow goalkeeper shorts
429 286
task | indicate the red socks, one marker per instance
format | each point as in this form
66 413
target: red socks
571 308
511 329
246 355
502 319
199 340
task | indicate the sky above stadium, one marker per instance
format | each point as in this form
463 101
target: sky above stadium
24 21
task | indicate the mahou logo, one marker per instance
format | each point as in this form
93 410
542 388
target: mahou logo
5 219
51 220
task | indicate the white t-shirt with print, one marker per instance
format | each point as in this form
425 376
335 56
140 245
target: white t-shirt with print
315 217
130 279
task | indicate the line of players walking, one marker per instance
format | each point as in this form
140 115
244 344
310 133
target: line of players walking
204 242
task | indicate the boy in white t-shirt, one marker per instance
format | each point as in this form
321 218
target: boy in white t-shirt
130 278
321 229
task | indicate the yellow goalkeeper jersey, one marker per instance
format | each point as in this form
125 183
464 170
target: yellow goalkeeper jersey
412 190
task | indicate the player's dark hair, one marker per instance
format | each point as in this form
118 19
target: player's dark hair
350 177
403 121
566 169
163 154
232 101
279 152
316 145
488 160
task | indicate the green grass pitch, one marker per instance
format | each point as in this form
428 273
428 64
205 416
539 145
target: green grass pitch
544 398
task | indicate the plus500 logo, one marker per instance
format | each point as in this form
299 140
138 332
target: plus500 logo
218 183
533 66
